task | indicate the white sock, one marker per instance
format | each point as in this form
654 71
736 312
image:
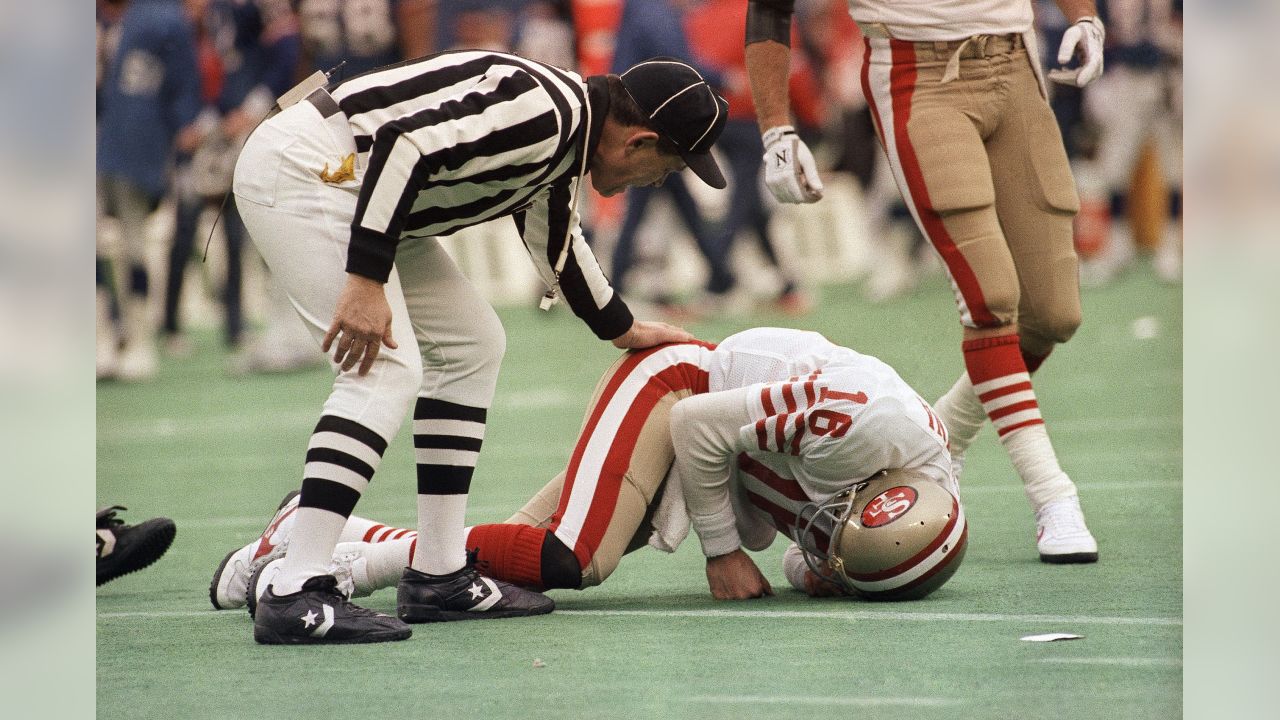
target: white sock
961 413
341 459
383 566
1037 464
311 542
441 534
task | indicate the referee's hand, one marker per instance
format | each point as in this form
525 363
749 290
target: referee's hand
647 333
363 318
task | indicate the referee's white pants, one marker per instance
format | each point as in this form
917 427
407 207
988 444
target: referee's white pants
302 225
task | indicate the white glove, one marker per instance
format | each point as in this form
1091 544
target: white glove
789 169
1086 37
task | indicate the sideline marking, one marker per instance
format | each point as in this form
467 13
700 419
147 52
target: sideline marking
1120 486
806 700
888 615
772 614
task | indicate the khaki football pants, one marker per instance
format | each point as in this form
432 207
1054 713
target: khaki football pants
638 492
979 159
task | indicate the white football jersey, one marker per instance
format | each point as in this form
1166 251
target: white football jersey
944 19
820 417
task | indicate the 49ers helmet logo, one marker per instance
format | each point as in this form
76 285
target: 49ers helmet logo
888 506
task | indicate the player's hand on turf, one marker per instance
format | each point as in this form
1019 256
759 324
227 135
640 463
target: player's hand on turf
789 169
1085 37
734 576
647 333
361 324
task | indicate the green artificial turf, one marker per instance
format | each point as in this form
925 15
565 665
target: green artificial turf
216 453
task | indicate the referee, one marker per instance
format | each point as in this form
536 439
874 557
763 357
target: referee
345 192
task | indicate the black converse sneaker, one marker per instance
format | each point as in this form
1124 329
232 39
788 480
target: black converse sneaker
464 595
320 614
123 549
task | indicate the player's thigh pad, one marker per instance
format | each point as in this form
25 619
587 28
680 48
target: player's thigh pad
1036 202
945 175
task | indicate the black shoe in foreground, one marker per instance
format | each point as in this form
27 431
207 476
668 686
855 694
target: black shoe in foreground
123 549
464 595
319 614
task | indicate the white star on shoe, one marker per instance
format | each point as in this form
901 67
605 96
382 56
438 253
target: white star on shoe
477 591
310 618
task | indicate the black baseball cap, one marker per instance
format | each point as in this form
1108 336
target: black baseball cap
683 108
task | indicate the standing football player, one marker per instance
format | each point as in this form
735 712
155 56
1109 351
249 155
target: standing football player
959 103
782 423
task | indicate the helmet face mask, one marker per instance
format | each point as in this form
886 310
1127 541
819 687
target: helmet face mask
895 536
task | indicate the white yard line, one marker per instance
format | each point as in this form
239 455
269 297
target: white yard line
826 701
1014 487
867 615
1121 661
846 615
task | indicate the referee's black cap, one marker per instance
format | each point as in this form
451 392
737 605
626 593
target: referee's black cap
683 108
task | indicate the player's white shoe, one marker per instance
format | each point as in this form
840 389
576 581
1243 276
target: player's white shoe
1061 535
230 585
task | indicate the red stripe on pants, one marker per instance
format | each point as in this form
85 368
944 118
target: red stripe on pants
902 85
673 378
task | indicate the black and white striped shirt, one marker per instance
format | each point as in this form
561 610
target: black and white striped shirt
452 140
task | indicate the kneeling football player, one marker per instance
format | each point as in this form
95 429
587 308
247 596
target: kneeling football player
771 431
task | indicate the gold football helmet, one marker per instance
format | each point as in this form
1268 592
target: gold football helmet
895 536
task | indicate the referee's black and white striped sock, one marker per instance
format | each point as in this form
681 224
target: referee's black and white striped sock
341 459
446 441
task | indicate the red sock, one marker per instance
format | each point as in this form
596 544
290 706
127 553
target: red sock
1002 383
509 552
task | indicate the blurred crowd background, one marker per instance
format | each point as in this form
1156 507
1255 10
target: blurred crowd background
180 84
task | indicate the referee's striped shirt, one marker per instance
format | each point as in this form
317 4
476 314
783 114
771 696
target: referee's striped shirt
455 139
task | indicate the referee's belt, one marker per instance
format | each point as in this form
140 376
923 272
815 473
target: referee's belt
324 103
312 90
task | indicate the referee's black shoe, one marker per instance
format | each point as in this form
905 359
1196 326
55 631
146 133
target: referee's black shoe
319 614
464 595
123 549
